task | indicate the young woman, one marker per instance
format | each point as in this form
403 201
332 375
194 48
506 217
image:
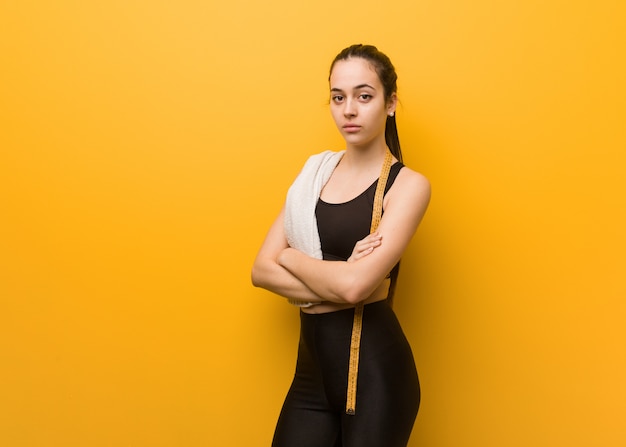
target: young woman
320 254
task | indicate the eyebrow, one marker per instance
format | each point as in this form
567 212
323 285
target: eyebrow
358 87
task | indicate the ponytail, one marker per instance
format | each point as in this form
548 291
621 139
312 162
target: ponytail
391 137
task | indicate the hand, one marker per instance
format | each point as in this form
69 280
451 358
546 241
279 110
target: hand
365 246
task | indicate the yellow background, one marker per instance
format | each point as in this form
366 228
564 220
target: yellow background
146 146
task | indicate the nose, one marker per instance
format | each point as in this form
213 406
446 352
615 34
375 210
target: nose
349 108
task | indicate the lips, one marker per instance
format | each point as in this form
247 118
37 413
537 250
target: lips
351 128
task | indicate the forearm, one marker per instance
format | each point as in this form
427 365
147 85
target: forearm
335 281
275 278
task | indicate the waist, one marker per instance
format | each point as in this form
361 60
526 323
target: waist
346 314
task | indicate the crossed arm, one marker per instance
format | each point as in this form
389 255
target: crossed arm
290 273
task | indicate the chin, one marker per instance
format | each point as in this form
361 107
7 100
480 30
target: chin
356 140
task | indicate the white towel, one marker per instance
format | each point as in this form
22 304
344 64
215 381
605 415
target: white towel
300 222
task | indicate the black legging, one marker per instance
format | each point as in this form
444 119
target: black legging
388 392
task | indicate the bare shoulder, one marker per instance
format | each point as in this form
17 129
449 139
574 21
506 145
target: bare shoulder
411 185
404 206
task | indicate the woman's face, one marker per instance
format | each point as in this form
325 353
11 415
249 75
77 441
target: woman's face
357 102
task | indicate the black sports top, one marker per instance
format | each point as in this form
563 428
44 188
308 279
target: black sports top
342 225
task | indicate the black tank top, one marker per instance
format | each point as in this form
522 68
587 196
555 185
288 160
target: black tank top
342 225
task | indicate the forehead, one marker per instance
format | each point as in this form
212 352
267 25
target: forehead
352 72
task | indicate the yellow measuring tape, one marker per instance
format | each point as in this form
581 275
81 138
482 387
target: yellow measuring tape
357 324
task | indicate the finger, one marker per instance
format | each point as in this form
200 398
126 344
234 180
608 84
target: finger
365 252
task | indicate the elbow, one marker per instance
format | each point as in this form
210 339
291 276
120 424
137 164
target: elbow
354 297
257 277
354 292
254 279
360 286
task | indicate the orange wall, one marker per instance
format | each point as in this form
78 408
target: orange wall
145 147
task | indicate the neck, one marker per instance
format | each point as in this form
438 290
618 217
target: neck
365 156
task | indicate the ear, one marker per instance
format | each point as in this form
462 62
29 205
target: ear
391 104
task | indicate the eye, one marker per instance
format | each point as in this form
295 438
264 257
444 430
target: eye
365 97
337 98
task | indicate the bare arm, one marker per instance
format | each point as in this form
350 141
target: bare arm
351 282
268 274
